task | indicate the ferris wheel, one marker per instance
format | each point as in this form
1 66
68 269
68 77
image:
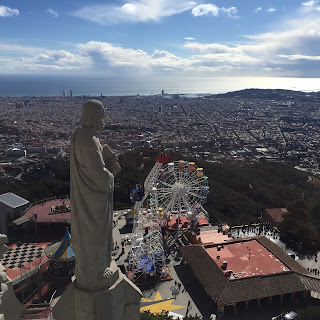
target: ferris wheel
182 188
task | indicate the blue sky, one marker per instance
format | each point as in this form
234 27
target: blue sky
180 37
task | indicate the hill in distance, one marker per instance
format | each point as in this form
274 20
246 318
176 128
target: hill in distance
272 94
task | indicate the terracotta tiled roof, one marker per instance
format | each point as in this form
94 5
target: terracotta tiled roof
229 291
311 282
281 255
202 221
276 213
206 270
261 287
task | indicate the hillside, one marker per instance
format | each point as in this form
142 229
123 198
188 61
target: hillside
239 192
272 94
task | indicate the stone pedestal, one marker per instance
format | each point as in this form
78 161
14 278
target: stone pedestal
10 306
118 301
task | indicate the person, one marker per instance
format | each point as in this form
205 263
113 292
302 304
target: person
92 171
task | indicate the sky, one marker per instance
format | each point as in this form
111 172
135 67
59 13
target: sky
272 38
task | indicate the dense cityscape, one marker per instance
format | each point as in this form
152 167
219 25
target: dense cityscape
253 144
213 128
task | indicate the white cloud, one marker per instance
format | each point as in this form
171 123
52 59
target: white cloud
292 49
309 7
149 11
294 57
134 11
310 3
230 12
54 13
269 10
19 48
210 9
205 48
205 10
57 60
230 58
106 56
8 12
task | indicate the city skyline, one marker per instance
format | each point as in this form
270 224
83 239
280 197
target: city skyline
202 38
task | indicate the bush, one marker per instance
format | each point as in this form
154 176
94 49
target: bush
147 315
309 313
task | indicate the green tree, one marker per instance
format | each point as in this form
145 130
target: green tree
309 313
297 224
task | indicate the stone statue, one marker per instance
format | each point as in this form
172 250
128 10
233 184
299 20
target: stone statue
99 290
92 171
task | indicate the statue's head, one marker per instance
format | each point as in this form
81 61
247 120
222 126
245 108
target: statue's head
92 115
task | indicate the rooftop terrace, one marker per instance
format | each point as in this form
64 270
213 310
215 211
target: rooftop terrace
246 259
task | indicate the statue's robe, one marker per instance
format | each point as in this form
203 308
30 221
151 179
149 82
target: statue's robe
92 208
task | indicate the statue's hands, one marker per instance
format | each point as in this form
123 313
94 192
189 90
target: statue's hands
107 154
110 160
114 167
107 273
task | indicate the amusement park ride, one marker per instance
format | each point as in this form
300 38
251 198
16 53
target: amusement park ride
175 192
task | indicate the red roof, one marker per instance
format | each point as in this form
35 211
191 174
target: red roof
202 221
57 210
276 213
246 259
173 223
235 288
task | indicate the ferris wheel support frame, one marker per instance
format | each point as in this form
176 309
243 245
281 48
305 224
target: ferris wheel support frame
152 245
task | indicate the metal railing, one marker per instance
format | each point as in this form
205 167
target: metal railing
38 265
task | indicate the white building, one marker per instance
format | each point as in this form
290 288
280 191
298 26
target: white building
11 207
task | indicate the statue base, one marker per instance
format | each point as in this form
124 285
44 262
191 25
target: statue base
10 307
119 300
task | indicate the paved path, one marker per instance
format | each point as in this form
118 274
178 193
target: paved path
180 304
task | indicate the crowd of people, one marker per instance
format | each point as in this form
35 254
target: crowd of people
255 230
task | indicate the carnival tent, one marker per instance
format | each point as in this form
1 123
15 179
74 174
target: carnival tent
62 250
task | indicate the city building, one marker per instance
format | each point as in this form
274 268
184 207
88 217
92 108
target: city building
15 152
274 215
50 211
11 207
247 272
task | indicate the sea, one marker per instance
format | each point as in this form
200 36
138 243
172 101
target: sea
124 85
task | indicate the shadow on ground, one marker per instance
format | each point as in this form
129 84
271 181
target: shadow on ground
207 307
200 299
125 229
